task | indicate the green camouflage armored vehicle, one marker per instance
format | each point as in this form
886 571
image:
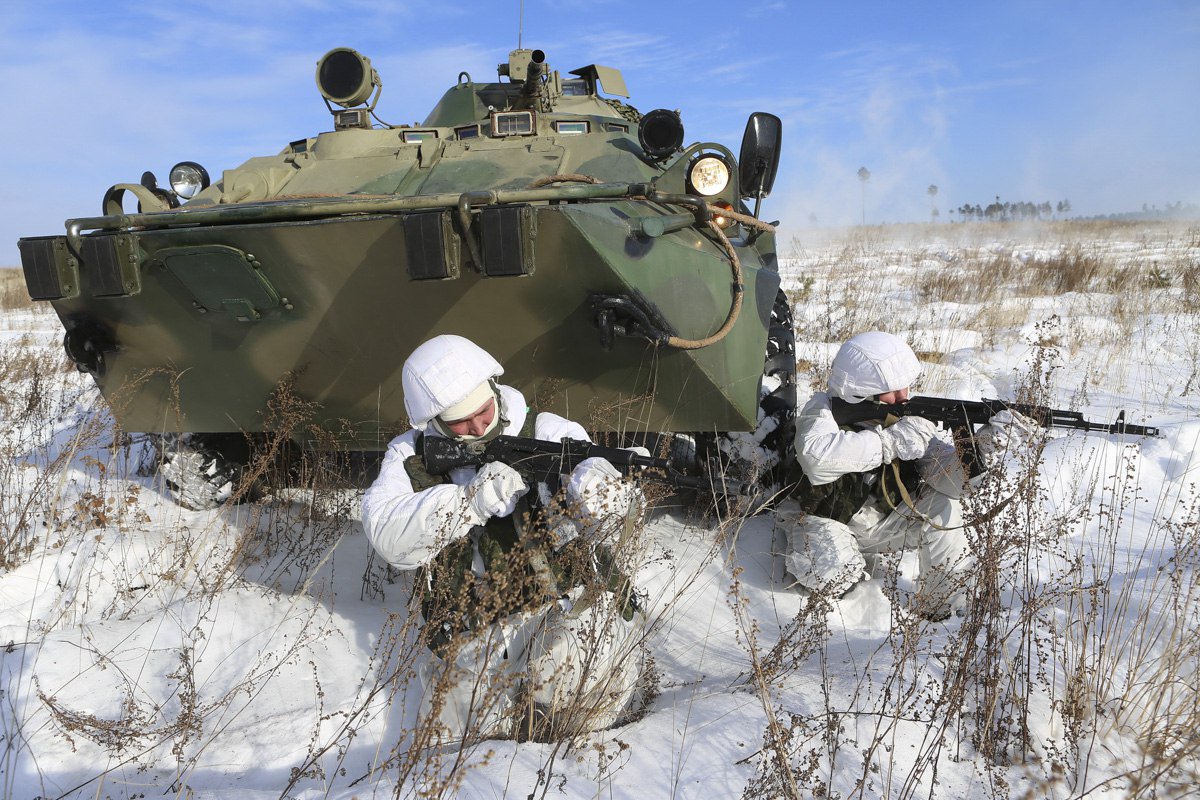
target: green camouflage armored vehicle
616 272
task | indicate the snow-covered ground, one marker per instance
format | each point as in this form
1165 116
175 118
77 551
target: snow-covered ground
146 650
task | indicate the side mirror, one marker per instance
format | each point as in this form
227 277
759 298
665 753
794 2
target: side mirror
759 158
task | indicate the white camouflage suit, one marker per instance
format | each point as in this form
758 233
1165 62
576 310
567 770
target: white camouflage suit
560 657
827 554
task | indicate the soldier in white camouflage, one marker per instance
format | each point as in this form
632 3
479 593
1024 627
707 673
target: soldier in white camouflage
534 628
869 490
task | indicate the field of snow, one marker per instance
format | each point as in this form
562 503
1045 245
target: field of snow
259 651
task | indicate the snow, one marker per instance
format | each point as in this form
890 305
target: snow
147 650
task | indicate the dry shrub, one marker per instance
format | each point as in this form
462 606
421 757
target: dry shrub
39 390
1062 658
1189 271
1131 653
977 276
1073 269
1190 280
13 296
298 489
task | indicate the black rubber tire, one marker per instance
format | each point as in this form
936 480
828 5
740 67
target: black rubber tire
202 470
780 404
776 430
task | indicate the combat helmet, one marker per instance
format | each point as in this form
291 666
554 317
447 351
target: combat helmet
872 363
442 373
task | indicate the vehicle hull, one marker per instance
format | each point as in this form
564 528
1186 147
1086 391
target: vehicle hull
219 323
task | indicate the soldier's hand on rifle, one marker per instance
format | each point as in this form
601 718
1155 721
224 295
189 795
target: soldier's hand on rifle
494 491
907 440
598 489
941 467
562 532
1007 431
1015 422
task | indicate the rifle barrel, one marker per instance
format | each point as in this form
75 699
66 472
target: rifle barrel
955 413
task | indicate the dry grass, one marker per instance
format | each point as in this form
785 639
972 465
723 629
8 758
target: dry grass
1055 630
980 279
1068 677
12 290
298 506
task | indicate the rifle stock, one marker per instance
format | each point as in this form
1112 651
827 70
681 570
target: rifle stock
959 413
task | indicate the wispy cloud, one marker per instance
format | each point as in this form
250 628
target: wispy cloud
1096 107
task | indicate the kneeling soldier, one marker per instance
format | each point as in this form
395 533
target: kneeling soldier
871 489
522 590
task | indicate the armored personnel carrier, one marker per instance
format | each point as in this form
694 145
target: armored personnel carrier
617 272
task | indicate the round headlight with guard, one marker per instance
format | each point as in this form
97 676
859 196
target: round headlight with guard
708 175
188 179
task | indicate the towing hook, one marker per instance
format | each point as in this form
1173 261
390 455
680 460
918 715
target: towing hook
86 346
620 316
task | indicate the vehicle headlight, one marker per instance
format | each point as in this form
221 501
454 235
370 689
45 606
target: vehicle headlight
345 77
188 179
708 175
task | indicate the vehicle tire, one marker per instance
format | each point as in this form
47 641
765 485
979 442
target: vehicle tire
779 403
764 457
202 470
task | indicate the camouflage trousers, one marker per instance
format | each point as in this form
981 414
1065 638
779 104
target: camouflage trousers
829 555
563 669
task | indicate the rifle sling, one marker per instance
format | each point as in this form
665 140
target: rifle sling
987 516
905 497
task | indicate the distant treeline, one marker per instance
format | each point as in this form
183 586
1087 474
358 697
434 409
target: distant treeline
1003 210
999 211
1177 210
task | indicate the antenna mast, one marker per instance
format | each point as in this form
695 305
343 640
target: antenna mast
520 21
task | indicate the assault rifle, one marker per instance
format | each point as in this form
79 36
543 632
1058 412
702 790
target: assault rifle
968 413
543 462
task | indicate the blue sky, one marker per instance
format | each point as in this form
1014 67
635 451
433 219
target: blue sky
1092 102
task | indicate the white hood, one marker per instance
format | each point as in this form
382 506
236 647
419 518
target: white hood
441 373
872 363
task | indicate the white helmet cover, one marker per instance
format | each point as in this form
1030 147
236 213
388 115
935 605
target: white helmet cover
872 363
442 373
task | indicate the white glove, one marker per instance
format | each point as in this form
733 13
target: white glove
563 533
495 489
598 489
907 440
1015 423
1007 431
941 468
